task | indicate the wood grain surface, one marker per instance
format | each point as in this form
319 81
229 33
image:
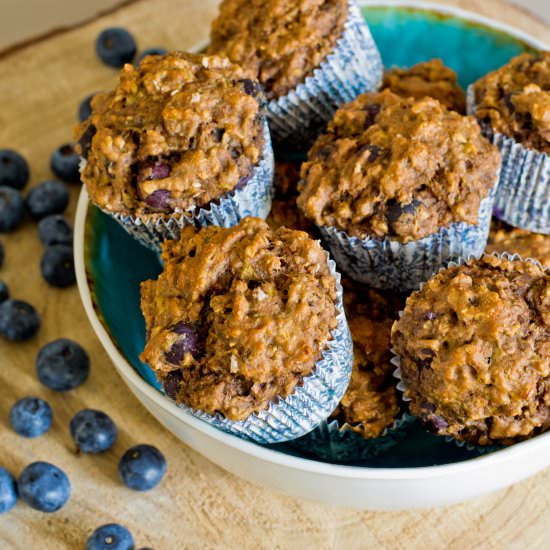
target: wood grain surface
198 505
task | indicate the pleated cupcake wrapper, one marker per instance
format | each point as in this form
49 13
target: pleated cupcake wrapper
523 194
309 404
389 264
396 359
354 67
334 442
254 199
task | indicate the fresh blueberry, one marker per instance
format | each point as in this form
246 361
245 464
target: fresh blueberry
8 491
85 108
115 47
142 467
44 487
14 170
57 265
31 417
65 163
150 51
62 365
55 229
18 320
4 292
110 537
12 209
93 431
49 197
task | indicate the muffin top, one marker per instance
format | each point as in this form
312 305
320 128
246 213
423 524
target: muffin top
284 212
279 42
177 132
515 100
427 79
475 351
371 403
239 316
504 238
397 167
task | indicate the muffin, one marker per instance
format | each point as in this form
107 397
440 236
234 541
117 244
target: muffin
513 107
284 212
474 348
370 416
399 187
503 238
310 56
182 139
246 329
427 79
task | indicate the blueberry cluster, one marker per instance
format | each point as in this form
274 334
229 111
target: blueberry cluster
62 365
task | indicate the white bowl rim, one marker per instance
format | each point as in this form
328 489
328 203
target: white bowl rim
540 443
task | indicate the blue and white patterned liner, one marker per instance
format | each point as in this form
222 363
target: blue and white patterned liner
309 404
523 195
389 264
254 199
333 442
396 359
354 67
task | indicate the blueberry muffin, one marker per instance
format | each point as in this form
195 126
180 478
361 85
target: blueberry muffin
504 238
474 345
310 56
178 134
239 316
427 79
397 167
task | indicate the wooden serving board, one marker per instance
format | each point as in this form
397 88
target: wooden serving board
198 505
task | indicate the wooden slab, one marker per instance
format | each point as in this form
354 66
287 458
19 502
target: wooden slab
198 505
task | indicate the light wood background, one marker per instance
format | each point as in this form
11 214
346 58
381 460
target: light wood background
198 505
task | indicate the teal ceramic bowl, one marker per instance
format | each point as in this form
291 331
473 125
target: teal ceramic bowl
421 470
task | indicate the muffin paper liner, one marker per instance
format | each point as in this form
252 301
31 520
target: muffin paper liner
389 264
523 194
310 403
353 68
334 442
396 359
254 199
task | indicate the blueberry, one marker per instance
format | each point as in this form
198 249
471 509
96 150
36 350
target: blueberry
93 431
85 108
49 197
159 200
142 467
12 209
8 491
62 365
14 170
65 163
18 320
57 265
55 229
150 51
111 536
188 342
4 292
44 486
31 417
115 47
